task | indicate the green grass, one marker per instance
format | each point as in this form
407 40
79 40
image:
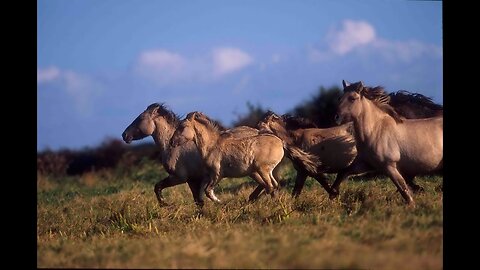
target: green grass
103 220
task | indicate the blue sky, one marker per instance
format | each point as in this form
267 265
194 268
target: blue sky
101 63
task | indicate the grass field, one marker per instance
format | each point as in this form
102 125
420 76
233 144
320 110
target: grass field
111 219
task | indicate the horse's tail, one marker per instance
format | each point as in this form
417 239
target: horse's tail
309 162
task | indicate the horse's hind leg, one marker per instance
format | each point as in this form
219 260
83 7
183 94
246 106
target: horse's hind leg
299 182
413 186
168 181
211 182
322 179
270 183
255 194
400 183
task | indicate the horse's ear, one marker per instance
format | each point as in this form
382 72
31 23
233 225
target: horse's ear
194 115
360 87
153 108
345 84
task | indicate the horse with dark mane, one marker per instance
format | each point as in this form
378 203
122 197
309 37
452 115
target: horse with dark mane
387 142
228 156
335 146
183 163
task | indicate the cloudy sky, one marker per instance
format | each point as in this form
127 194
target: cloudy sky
101 63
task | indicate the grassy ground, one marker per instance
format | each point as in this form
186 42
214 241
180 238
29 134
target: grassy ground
106 220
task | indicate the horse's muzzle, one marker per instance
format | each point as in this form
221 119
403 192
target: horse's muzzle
127 138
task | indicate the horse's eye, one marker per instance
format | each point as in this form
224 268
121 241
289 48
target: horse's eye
352 99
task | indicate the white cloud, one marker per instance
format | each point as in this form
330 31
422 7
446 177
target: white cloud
47 75
165 67
79 87
405 51
360 37
352 35
228 60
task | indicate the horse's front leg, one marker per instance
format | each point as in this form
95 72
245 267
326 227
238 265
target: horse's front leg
195 187
168 181
400 183
357 167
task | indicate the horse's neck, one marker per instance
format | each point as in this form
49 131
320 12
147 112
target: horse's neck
285 135
206 139
162 135
296 135
365 124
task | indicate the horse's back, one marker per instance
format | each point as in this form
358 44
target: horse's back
421 145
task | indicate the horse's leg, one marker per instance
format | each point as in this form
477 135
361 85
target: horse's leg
274 180
322 179
168 181
255 194
212 181
194 185
413 186
299 182
400 183
265 174
355 168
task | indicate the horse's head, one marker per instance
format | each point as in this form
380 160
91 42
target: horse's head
186 129
143 125
270 122
350 104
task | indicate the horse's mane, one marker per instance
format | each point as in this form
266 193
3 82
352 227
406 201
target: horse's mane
403 97
205 120
378 96
297 122
170 116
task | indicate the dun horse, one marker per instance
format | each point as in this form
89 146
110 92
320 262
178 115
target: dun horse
183 163
335 146
401 148
228 156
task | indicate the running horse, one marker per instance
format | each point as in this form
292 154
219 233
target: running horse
401 148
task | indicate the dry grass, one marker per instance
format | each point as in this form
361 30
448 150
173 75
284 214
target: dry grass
96 222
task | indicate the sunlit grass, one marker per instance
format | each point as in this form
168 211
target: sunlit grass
103 220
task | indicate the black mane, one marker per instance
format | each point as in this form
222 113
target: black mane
296 122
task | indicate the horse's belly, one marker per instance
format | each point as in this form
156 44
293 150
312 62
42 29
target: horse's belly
237 166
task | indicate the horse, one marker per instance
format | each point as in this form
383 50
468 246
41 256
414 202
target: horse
401 148
183 163
227 156
335 146
336 153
